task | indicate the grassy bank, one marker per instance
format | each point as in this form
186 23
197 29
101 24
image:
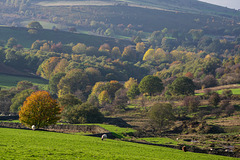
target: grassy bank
27 144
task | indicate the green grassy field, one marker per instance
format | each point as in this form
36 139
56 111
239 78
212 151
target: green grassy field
26 39
8 81
118 132
46 25
235 91
157 140
27 144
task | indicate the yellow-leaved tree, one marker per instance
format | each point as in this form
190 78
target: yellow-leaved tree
39 109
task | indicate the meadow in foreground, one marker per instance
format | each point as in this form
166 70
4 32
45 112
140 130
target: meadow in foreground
27 144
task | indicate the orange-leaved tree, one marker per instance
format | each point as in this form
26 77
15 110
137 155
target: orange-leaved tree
39 109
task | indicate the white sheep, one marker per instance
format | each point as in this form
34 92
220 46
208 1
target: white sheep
104 136
33 127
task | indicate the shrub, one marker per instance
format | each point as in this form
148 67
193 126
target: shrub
192 102
227 93
84 113
229 110
121 99
214 99
209 81
161 115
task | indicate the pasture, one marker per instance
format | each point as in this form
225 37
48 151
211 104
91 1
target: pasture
9 81
26 39
27 144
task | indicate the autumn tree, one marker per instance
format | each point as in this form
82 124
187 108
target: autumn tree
39 109
149 55
140 47
47 67
104 98
11 42
116 53
129 54
129 83
93 74
61 66
80 48
74 80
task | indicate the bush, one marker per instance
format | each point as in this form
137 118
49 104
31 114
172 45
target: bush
209 81
192 102
84 113
121 99
161 115
214 99
230 110
227 93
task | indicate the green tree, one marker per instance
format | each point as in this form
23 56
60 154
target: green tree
68 100
53 82
104 98
80 48
24 85
150 85
182 86
18 100
133 91
74 80
83 113
39 109
161 115
168 43
35 25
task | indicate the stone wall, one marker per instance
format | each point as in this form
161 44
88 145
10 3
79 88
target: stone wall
94 129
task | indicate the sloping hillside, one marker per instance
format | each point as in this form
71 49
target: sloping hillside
26 39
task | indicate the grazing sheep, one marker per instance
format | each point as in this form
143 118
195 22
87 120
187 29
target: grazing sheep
33 127
184 149
104 136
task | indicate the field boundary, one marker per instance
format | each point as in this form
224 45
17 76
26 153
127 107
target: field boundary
230 86
94 129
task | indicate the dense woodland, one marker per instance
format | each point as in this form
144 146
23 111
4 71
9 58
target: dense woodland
108 77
